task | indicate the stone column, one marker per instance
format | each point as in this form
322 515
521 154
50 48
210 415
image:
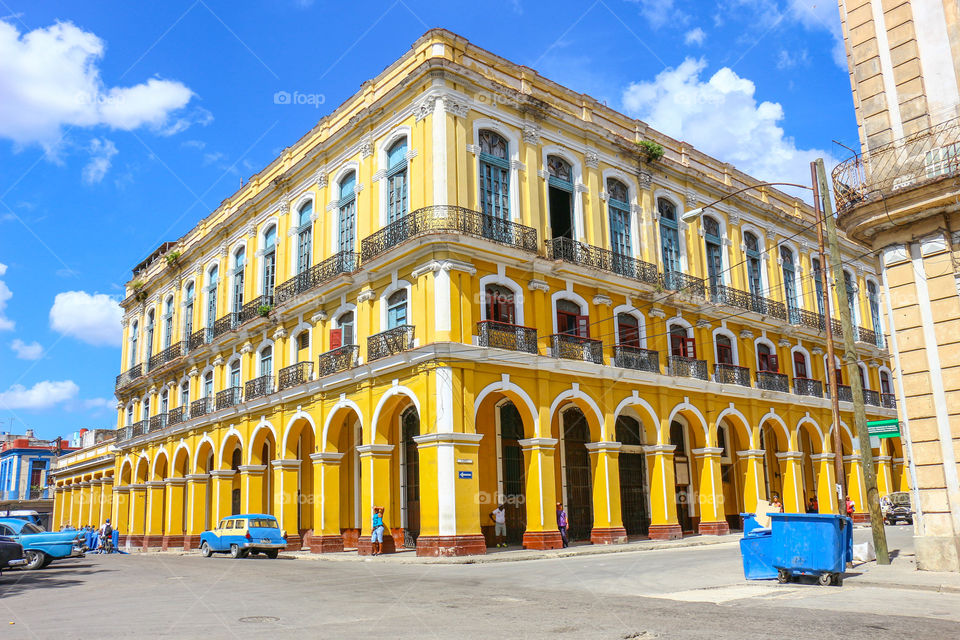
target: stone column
451 458
106 499
93 512
605 470
251 484
713 515
196 496
76 499
57 508
121 510
222 490
541 494
173 517
138 510
855 489
327 536
376 491
153 537
884 477
902 481
754 481
285 476
792 481
826 490
664 524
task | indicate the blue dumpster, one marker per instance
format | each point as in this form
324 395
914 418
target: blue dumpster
756 548
749 522
812 544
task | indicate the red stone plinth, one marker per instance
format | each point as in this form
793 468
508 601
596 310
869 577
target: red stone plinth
665 532
168 542
608 535
325 544
542 540
448 546
714 528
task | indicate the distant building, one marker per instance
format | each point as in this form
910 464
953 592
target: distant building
84 479
25 462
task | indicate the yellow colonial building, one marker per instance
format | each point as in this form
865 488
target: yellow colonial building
469 285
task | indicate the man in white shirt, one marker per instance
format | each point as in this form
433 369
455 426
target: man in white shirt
499 517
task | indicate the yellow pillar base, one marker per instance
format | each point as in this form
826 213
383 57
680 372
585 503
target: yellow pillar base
138 512
856 489
884 477
327 537
155 495
754 480
605 468
826 483
121 510
198 485
375 471
793 482
285 476
541 494
713 517
664 524
173 513
222 494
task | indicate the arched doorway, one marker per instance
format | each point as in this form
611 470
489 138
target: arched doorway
578 491
300 444
683 475
512 490
633 477
410 475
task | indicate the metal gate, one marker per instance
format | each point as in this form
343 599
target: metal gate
514 494
579 505
410 424
633 495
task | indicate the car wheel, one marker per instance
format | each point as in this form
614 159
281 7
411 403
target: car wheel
46 561
235 551
272 553
34 559
205 550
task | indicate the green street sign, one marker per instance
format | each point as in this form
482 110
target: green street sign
884 428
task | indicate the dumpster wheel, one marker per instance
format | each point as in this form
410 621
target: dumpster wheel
825 579
783 576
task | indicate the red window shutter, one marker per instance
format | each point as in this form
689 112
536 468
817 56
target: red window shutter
774 365
583 326
691 349
336 338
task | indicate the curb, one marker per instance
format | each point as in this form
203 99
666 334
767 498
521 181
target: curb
935 588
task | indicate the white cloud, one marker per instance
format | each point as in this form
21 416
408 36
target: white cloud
695 36
659 12
101 155
722 118
6 324
100 403
817 14
787 60
42 395
51 79
94 319
24 351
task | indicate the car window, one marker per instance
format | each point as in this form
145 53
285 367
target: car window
29 527
5 530
240 524
263 523
229 524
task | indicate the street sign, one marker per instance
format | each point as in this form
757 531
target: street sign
884 428
464 475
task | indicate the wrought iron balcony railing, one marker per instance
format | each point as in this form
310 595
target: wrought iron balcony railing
124 433
339 359
928 155
844 393
140 428
258 387
225 324
871 397
201 407
229 397
201 337
176 416
683 283
810 319
869 336
751 302
683 367
731 374
773 381
158 422
448 219
169 354
256 308
630 357
128 376
502 335
295 374
888 401
318 274
586 255
808 387
837 328
390 342
571 347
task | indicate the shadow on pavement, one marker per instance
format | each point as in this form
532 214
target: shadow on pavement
55 576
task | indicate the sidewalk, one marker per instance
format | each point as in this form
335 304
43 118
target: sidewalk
901 573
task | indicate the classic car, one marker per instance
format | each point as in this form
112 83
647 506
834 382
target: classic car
245 534
11 554
40 547
896 507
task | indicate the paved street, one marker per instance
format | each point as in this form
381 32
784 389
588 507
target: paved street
675 593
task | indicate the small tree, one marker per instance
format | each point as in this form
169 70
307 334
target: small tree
264 310
173 258
652 150
138 290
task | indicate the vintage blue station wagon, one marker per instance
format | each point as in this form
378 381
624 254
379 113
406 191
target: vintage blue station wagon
244 534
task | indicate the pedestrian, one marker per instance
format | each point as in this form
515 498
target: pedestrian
850 506
776 505
106 537
499 517
562 524
376 534
812 506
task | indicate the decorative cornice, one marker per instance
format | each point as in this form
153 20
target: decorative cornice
280 334
320 179
531 133
318 317
657 312
645 179
444 265
591 159
746 334
659 448
365 296
247 347
473 148
783 342
538 285
326 457
366 148
602 299
703 323
457 105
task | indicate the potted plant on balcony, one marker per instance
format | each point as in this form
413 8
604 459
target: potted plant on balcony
138 290
652 150
173 258
264 310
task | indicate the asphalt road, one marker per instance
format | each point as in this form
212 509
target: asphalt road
679 593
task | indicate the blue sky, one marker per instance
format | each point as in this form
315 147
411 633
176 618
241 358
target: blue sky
122 124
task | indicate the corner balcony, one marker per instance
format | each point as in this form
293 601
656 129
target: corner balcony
228 398
731 374
748 301
808 387
258 388
571 347
321 273
440 219
589 256
171 353
337 360
501 335
127 377
683 367
201 407
295 374
773 381
390 342
629 357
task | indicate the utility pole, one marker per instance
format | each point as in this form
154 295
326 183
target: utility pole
853 371
841 480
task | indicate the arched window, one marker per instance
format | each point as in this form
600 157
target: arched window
269 263
766 359
669 240
168 322
850 285
713 242
234 375
724 350
304 237
560 197
570 320
239 262
800 365
397 180
885 386
149 336
303 346
500 304
864 384
628 330
130 414
145 408
789 284
188 311
134 331
212 282
208 385
618 210
874 300
494 175
680 344
818 283
343 335
185 395
164 402
348 211
266 361
397 309
752 245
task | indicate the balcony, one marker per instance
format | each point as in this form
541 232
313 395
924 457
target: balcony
295 374
201 407
629 357
258 387
870 337
844 393
227 398
127 377
448 219
158 422
200 338
502 335
139 428
258 307
390 342
749 301
917 159
683 367
225 324
339 359
808 387
809 319
124 433
176 416
871 397
772 381
169 354
888 401
589 256
572 347
731 374
318 274
681 282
